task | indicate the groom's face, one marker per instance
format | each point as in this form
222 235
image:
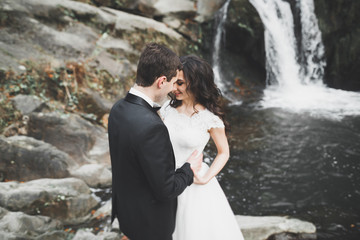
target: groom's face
168 86
171 86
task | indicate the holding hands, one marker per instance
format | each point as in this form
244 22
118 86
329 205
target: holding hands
195 161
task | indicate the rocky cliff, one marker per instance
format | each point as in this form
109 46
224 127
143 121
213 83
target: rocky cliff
339 24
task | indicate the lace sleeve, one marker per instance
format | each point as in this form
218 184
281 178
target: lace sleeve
214 121
164 110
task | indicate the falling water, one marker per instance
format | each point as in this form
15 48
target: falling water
220 19
294 85
312 46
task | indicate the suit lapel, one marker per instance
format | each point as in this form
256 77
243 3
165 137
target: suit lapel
137 100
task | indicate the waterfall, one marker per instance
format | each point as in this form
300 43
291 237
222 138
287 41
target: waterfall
311 44
295 78
220 20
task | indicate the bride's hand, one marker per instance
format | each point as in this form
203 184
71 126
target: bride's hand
200 180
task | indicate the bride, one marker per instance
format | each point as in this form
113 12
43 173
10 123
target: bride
193 116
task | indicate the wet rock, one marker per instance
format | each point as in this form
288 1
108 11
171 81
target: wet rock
28 103
25 158
95 175
68 200
68 132
255 228
293 236
243 54
338 22
18 225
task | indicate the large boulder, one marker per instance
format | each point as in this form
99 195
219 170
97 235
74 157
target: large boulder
95 175
92 102
259 228
138 30
340 28
68 200
68 132
27 103
58 31
18 225
244 32
24 158
202 9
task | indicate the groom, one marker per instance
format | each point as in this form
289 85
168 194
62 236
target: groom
145 184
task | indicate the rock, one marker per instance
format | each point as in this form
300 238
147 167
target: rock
27 103
68 200
91 102
293 236
68 132
134 29
242 50
338 22
18 225
256 228
181 8
95 175
244 31
24 158
84 235
58 31
17 128
103 212
87 235
172 22
100 151
207 8
109 236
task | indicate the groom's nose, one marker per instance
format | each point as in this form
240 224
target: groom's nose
174 87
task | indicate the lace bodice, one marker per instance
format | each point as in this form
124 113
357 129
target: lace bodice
188 133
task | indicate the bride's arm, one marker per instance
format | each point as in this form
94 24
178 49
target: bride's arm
219 137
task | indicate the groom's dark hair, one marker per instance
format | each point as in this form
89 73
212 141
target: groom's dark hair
155 61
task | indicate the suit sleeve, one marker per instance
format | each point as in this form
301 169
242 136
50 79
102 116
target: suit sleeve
155 155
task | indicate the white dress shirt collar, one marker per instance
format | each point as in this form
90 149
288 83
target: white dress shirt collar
136 92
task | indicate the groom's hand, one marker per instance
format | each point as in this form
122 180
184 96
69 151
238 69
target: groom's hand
195 161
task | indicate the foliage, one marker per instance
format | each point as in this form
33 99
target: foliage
61 84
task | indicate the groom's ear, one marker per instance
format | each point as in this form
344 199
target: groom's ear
160 81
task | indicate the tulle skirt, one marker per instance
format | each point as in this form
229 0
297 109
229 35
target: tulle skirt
203 213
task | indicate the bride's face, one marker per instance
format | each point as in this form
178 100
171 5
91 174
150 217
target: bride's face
180 92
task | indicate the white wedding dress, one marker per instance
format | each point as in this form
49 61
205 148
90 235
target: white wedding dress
203 212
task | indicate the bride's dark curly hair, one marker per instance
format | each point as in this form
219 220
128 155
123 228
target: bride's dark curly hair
199 78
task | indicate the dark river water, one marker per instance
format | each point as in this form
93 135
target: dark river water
293 164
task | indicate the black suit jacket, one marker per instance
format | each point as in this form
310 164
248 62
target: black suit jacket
145 184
